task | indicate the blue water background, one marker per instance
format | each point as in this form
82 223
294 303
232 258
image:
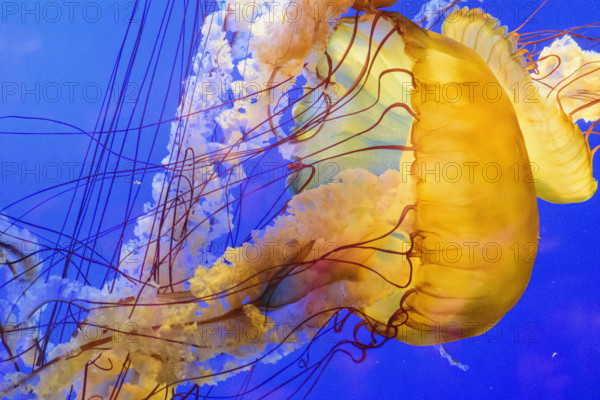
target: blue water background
548 346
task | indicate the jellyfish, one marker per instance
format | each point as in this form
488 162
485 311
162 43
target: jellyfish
408 200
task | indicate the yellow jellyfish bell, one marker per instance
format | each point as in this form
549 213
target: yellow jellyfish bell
557 149
461 270
475 218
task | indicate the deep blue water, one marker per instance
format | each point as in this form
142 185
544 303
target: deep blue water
57 68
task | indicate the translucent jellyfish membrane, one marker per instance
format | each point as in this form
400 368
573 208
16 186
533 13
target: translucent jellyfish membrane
413 165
